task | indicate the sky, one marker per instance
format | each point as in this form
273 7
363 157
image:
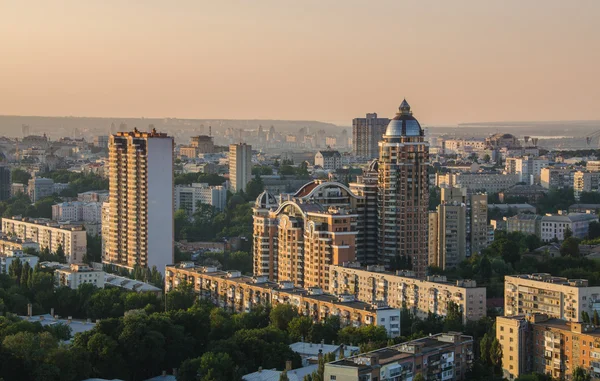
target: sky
330 60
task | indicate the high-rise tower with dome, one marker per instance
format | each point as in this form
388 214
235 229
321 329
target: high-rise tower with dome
403 194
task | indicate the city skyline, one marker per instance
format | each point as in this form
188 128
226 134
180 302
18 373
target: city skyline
462 62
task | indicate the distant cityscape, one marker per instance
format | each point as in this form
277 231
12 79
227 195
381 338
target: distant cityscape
470 255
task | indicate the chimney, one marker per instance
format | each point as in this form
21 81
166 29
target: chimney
259 369
69 319
52 311
288 365
175 372
342 352
322 342
29 310
164 373
320 355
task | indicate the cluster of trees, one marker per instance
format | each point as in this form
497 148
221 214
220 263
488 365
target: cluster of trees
20 176
190 178
20 205
78 182
208 224
24 285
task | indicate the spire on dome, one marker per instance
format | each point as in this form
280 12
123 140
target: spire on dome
404 108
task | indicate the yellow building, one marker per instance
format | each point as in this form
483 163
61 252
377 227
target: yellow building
49 234
141 200
403 289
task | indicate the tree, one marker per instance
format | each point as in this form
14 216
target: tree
181 219
570 248
508 250
20 176
596 319
594 230
496 353
282 314
254 188
60 254
283 376
419 376
454 318
181 298
486 158
585 317
300 327
568 233
579 374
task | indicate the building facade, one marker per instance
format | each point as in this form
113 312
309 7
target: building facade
9 256
141 228
540 344
451 231
240 166
187 197
557 297
49 234
421 296
403 193
236 292
528 168
525 223
77 274
328 159
585 182
444 356
366 134
556 225
40 187
77 211
556 177
478 182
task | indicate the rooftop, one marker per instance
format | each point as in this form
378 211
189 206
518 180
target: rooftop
273 374
129 284
547 278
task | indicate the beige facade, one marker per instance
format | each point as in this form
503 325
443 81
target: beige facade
235 292
403 199
556 177
559 298
585 182
478 182
421 296
240 166
451 234
13 243
444 356
298 242
76 275
536 343
141 200
49 234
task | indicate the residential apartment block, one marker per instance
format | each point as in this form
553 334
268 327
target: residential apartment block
585 182
525 223
298 240
420 296
235 292
328 159
557 297
141 228
555 225
240 166
541 344
444 356
556 177
187 197
478 182
77 211
403 192
528 168
366 133
5 183
13 243
9 256
75 275
49 234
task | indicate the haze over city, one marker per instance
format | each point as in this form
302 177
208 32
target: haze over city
458 61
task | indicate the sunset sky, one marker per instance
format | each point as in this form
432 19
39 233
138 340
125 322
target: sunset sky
330 60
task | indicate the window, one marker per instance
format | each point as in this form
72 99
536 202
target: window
332 378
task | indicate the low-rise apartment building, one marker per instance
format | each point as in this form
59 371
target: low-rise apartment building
444 356
556 177
8 257
77 211
187 197
525 223
75 275
478 182
49 234
557 297
556 225
12 243
235 292
420 296
585 181
540 344
328 159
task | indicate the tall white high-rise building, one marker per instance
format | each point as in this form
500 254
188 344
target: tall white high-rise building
141 200
240 166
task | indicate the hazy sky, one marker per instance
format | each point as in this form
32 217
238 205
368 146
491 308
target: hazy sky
332 60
